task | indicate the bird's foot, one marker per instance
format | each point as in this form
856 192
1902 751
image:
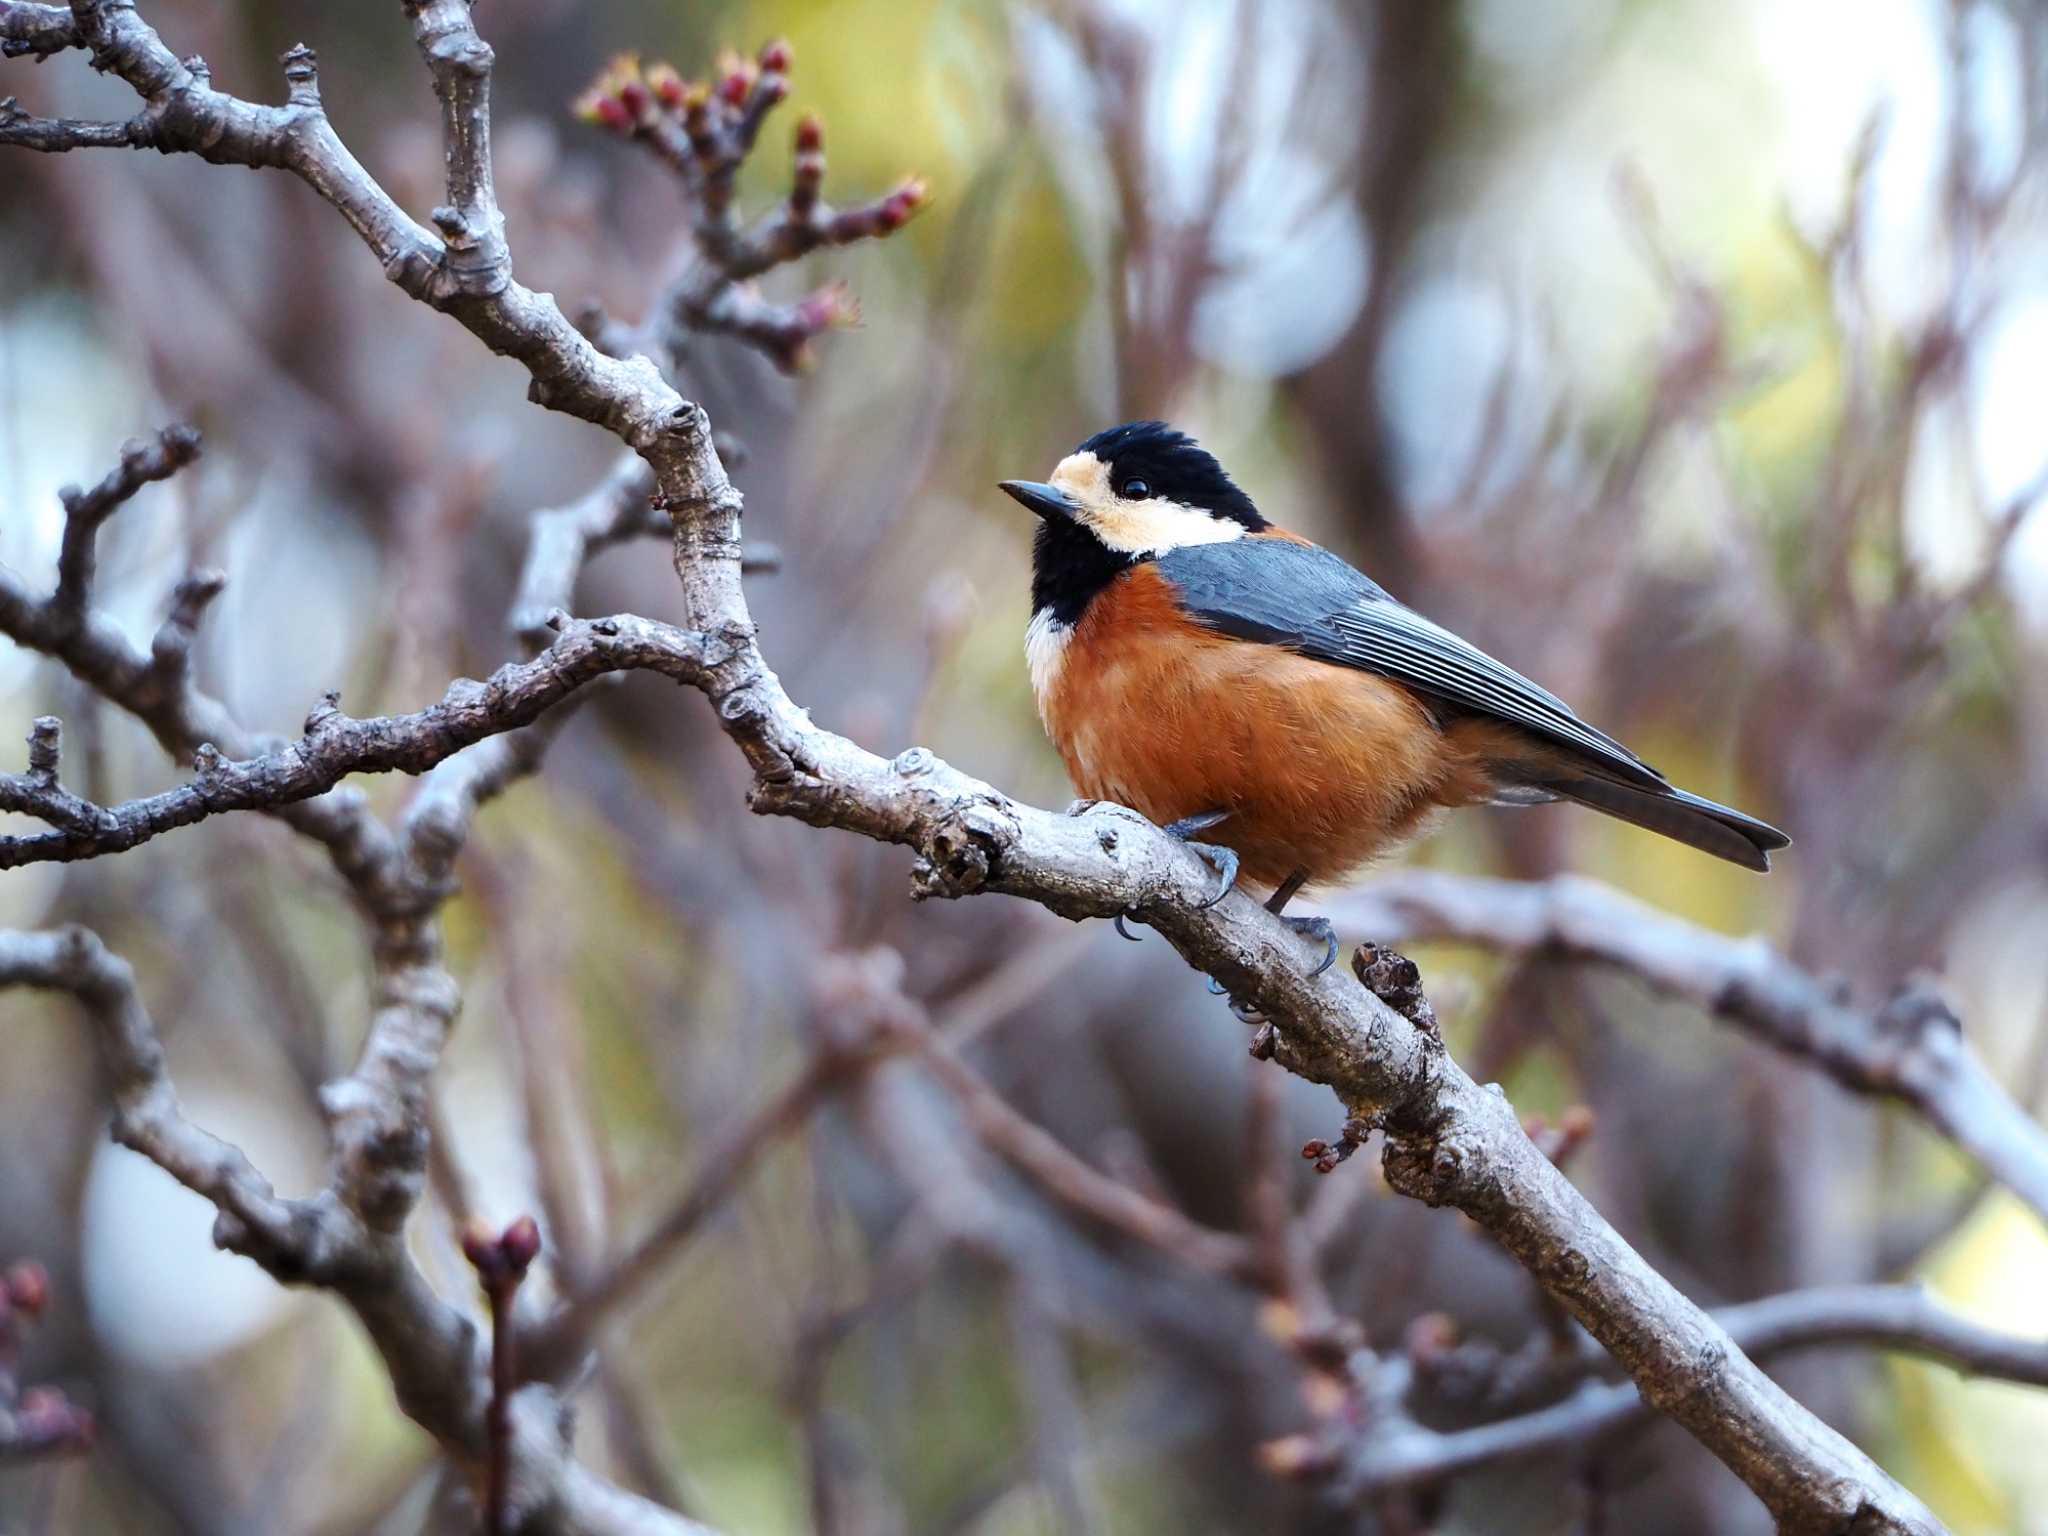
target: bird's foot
1317 928
1219 858
1308 927
1215 855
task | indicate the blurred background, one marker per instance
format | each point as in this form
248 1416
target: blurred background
1689 354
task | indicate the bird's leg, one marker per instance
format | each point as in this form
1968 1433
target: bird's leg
1308 927
1222 860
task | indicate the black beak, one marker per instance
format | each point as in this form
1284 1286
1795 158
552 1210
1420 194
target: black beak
1047 501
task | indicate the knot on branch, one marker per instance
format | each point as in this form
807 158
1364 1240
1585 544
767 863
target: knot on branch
1396 981
326 715
460 51
963 851
301 76
1919 1015
45 749
1431 1166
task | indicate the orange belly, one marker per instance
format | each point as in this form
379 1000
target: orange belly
1322 768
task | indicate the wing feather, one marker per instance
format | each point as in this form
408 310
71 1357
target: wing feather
1304 598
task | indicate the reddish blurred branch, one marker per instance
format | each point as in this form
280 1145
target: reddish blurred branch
501 1261
34 1421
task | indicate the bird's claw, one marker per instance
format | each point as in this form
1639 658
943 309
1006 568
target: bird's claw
1317 928
1215 855
1224 862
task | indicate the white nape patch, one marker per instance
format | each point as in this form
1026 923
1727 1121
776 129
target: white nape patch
1149 527
1045 652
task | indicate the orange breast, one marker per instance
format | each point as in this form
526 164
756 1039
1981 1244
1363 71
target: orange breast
1321 767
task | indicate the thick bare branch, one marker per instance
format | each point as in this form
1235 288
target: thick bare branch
1911 1049
35 31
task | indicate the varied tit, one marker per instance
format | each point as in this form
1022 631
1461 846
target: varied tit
1230 679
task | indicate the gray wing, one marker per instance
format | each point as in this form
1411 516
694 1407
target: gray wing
1306 599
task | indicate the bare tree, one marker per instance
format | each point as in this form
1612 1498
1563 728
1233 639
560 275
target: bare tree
888 1050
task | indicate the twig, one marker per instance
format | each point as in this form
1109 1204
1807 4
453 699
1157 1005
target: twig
704 131
84 511
335 746
501 1261
147 1117
157 688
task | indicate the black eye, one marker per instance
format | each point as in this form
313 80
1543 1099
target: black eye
1135 490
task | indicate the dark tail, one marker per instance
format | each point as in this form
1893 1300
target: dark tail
1687 818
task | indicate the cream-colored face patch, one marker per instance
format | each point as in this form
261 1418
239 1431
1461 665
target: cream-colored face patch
1149 527
1045 653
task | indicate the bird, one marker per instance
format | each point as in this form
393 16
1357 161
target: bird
1274 707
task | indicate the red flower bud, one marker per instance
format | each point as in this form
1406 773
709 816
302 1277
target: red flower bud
776 57
832 307
733 88
480 1246
613 114
1294 1457
28 1287
521 1242
810 133
634 98
899 205
667 86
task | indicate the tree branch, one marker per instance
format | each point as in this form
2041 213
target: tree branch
35 31
439 1366
158 690
335 746
1912 1049
1396 1451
